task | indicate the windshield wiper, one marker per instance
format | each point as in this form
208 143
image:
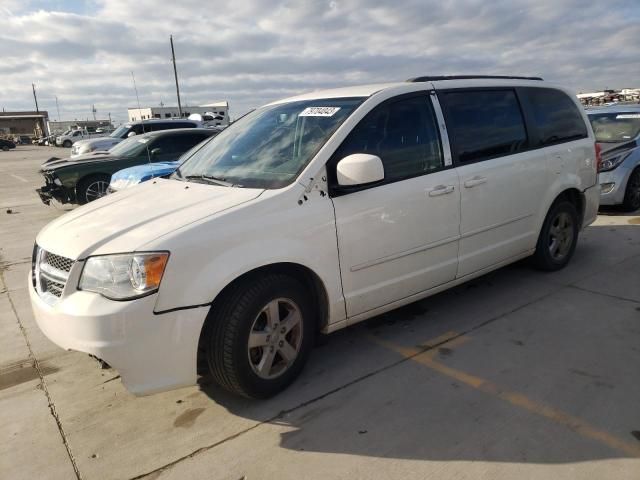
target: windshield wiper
210 179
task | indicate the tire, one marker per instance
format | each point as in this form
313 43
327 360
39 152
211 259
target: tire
632 192
244 315
67 144
558 237
91 188
5 148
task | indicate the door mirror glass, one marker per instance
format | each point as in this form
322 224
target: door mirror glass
130 134
359 169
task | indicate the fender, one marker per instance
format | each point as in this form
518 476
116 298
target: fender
218 250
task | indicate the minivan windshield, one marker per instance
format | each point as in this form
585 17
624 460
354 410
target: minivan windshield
131 147
120 132
615 127
269 147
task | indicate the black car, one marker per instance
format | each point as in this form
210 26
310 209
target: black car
85 178
6 145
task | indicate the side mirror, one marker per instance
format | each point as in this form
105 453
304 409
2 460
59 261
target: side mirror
359 169
155 152
131 134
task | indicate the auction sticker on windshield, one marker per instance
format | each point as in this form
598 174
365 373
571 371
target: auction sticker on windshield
319 112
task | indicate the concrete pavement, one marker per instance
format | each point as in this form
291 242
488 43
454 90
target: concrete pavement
516 374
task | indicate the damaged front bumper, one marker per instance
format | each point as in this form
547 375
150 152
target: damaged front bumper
51 190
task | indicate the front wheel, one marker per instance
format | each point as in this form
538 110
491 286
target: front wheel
67 144
558 237
260 335
632 192
5 148
92 188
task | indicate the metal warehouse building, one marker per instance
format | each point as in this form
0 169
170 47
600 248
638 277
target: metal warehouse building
24 123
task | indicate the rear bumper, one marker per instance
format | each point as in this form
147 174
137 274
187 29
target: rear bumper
152 353
591 205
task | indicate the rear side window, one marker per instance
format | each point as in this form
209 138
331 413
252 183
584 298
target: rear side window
403 134
555 115
484 124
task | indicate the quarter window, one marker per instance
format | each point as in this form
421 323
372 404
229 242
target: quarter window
403 134
556 116
484 124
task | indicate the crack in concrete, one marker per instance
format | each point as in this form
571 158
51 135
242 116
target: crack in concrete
38 368
616 297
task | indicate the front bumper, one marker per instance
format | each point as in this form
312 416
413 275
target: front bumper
614 195
151 352
52 191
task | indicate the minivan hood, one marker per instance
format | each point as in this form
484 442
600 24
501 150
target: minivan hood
126 220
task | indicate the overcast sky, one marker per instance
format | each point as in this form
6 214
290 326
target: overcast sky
250 52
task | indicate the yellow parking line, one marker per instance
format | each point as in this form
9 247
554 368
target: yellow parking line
520 400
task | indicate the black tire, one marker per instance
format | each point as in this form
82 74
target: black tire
67 144
632 192
87 185
5 148
232 320
550 256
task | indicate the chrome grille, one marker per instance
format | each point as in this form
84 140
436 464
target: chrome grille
51 274
58 262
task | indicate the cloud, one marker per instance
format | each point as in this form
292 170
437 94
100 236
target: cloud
250 52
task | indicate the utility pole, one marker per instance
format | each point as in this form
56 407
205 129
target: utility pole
93 110
33 86
175 73
57 108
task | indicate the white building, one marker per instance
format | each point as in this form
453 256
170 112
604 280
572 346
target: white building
150 113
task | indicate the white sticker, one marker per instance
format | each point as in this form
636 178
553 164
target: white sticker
628 115
319 112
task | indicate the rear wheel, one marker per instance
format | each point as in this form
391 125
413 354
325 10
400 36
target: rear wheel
92 188
632 192
558 237
260 335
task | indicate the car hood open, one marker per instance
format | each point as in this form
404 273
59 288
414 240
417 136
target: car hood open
127 220
55 163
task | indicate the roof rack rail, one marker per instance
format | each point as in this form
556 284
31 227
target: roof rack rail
467 77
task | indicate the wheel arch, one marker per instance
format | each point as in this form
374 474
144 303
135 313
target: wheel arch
310 279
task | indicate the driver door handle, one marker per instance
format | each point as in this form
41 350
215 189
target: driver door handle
477 180
441 190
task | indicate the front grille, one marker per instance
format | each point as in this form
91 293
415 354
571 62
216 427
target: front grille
58 262
51 273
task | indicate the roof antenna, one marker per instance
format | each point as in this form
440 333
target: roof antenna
141 120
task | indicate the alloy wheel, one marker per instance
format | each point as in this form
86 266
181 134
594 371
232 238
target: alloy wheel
561 236
275 338
96 190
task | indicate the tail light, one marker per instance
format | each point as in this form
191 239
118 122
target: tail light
598 155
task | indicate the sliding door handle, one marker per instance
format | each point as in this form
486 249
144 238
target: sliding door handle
441 190
477 180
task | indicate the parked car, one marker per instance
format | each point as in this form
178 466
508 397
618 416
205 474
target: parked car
617 131
132 176
311 214
6 145
128 130
70 137
86 178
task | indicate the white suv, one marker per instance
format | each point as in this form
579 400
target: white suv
311 214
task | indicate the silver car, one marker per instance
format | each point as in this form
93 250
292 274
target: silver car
617 131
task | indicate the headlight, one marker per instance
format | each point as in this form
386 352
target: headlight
612 162
124 276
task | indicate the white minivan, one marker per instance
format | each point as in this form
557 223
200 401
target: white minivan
311 214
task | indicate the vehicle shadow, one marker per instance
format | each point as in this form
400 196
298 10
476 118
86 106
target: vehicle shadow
539 368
